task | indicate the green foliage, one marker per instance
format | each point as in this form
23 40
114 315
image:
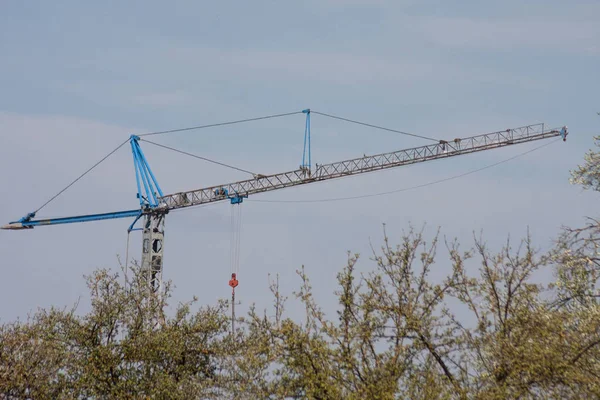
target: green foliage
396 337
125 347
588 174
488 332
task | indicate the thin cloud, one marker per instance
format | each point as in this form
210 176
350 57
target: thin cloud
162 99
565 36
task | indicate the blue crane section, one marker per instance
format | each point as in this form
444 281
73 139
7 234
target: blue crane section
27 223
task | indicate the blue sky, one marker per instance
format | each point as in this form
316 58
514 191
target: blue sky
77 78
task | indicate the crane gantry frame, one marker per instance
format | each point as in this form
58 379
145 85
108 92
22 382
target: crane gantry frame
154 205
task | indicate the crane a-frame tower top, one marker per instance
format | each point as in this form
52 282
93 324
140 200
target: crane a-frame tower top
155 205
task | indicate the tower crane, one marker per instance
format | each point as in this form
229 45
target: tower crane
155 205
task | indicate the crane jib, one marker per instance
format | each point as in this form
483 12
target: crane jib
443 149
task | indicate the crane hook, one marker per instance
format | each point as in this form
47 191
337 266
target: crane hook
233 282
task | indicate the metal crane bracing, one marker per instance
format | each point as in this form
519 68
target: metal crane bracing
154 205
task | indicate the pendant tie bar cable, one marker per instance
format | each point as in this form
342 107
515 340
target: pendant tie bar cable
199 157
236 229
374 126
220 124
79 177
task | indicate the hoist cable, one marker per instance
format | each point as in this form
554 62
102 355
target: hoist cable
220 124
374 126
239 239
235 237
199 157
81 176
232 240
236 226
411 187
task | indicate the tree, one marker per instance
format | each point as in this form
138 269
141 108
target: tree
588 174
125 347
487 333
32 358
396 336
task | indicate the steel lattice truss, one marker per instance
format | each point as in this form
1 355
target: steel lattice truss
443 149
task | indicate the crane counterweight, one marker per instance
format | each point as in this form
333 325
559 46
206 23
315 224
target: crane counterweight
15 226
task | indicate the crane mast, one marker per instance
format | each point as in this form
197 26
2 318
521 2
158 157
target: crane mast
153 235
154 205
